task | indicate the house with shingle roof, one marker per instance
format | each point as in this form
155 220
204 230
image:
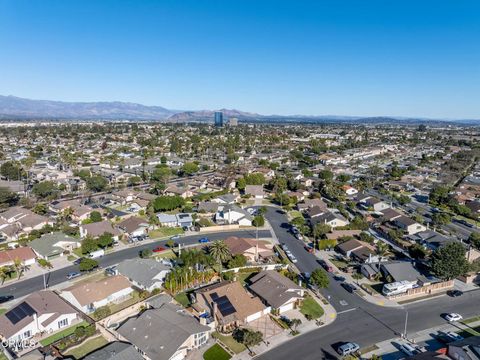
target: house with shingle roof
164 333
277 291
98 229
249 248
229 304
25 254
116 350
145 274
91 295
39 312
134 226
51 245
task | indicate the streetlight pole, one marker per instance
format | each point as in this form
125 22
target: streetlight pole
406 322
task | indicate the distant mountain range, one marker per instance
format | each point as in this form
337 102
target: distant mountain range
16 108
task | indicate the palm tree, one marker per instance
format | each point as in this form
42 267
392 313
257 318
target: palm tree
219 251
382 250
19 267
4 271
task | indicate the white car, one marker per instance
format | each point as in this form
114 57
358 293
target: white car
454 336
293 260
453 317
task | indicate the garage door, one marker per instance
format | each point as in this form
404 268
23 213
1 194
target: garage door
254 316
285 307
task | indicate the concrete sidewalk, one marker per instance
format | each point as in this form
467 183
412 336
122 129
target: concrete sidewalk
374 299
328 317
389 348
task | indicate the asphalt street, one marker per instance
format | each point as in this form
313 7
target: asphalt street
55 277
358 321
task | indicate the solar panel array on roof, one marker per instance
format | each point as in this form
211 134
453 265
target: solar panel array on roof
224 305
19 312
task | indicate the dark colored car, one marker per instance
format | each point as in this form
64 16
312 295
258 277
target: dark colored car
349 287
78 261
339 278
454 293
6 298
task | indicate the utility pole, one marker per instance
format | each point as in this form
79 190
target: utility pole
406 322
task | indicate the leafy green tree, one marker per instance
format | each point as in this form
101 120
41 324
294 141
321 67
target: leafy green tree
449 261
166 203
190 168
145 253
134 180
326 175
97 183
105 240
88 264
258 221
319 278
45 189
88 245
247 337
241 184
40 209
237 261
255 179
320 230
7 198
95 216
441 218
11 170
474 239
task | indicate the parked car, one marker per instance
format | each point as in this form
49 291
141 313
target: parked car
111 271
203 240
6 298
452 336
310 249
408 349
349 287
453 317
339 278
175 237
454 293
348 348
78 261
325 265
159 249
73 275
96 254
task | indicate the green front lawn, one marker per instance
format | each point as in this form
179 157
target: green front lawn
87 347
3 356
165 232
230 342
3 311
61 334
311 309
216 353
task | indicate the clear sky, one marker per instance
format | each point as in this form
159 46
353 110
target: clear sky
346 57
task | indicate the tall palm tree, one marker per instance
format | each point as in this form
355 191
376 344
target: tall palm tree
219 251
19 267
383 250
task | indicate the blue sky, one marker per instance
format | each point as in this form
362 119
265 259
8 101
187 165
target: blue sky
348 57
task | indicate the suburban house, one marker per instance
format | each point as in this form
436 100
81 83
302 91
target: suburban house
181 191
336 234
51 245
134 226
116 350
41 312
329 218
466 349
430 239
17 220
255 190
15 186
175 220
145 274
349 190
408 225
375 204
98 229
90 296
358 250
311 203
229 304
276 291
25 254
164 333
226 199
207 207
390 214
232 214
400 271
250 248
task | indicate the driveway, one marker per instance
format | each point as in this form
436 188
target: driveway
266 326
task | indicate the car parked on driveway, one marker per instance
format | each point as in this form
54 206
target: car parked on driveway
348 348
408 349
